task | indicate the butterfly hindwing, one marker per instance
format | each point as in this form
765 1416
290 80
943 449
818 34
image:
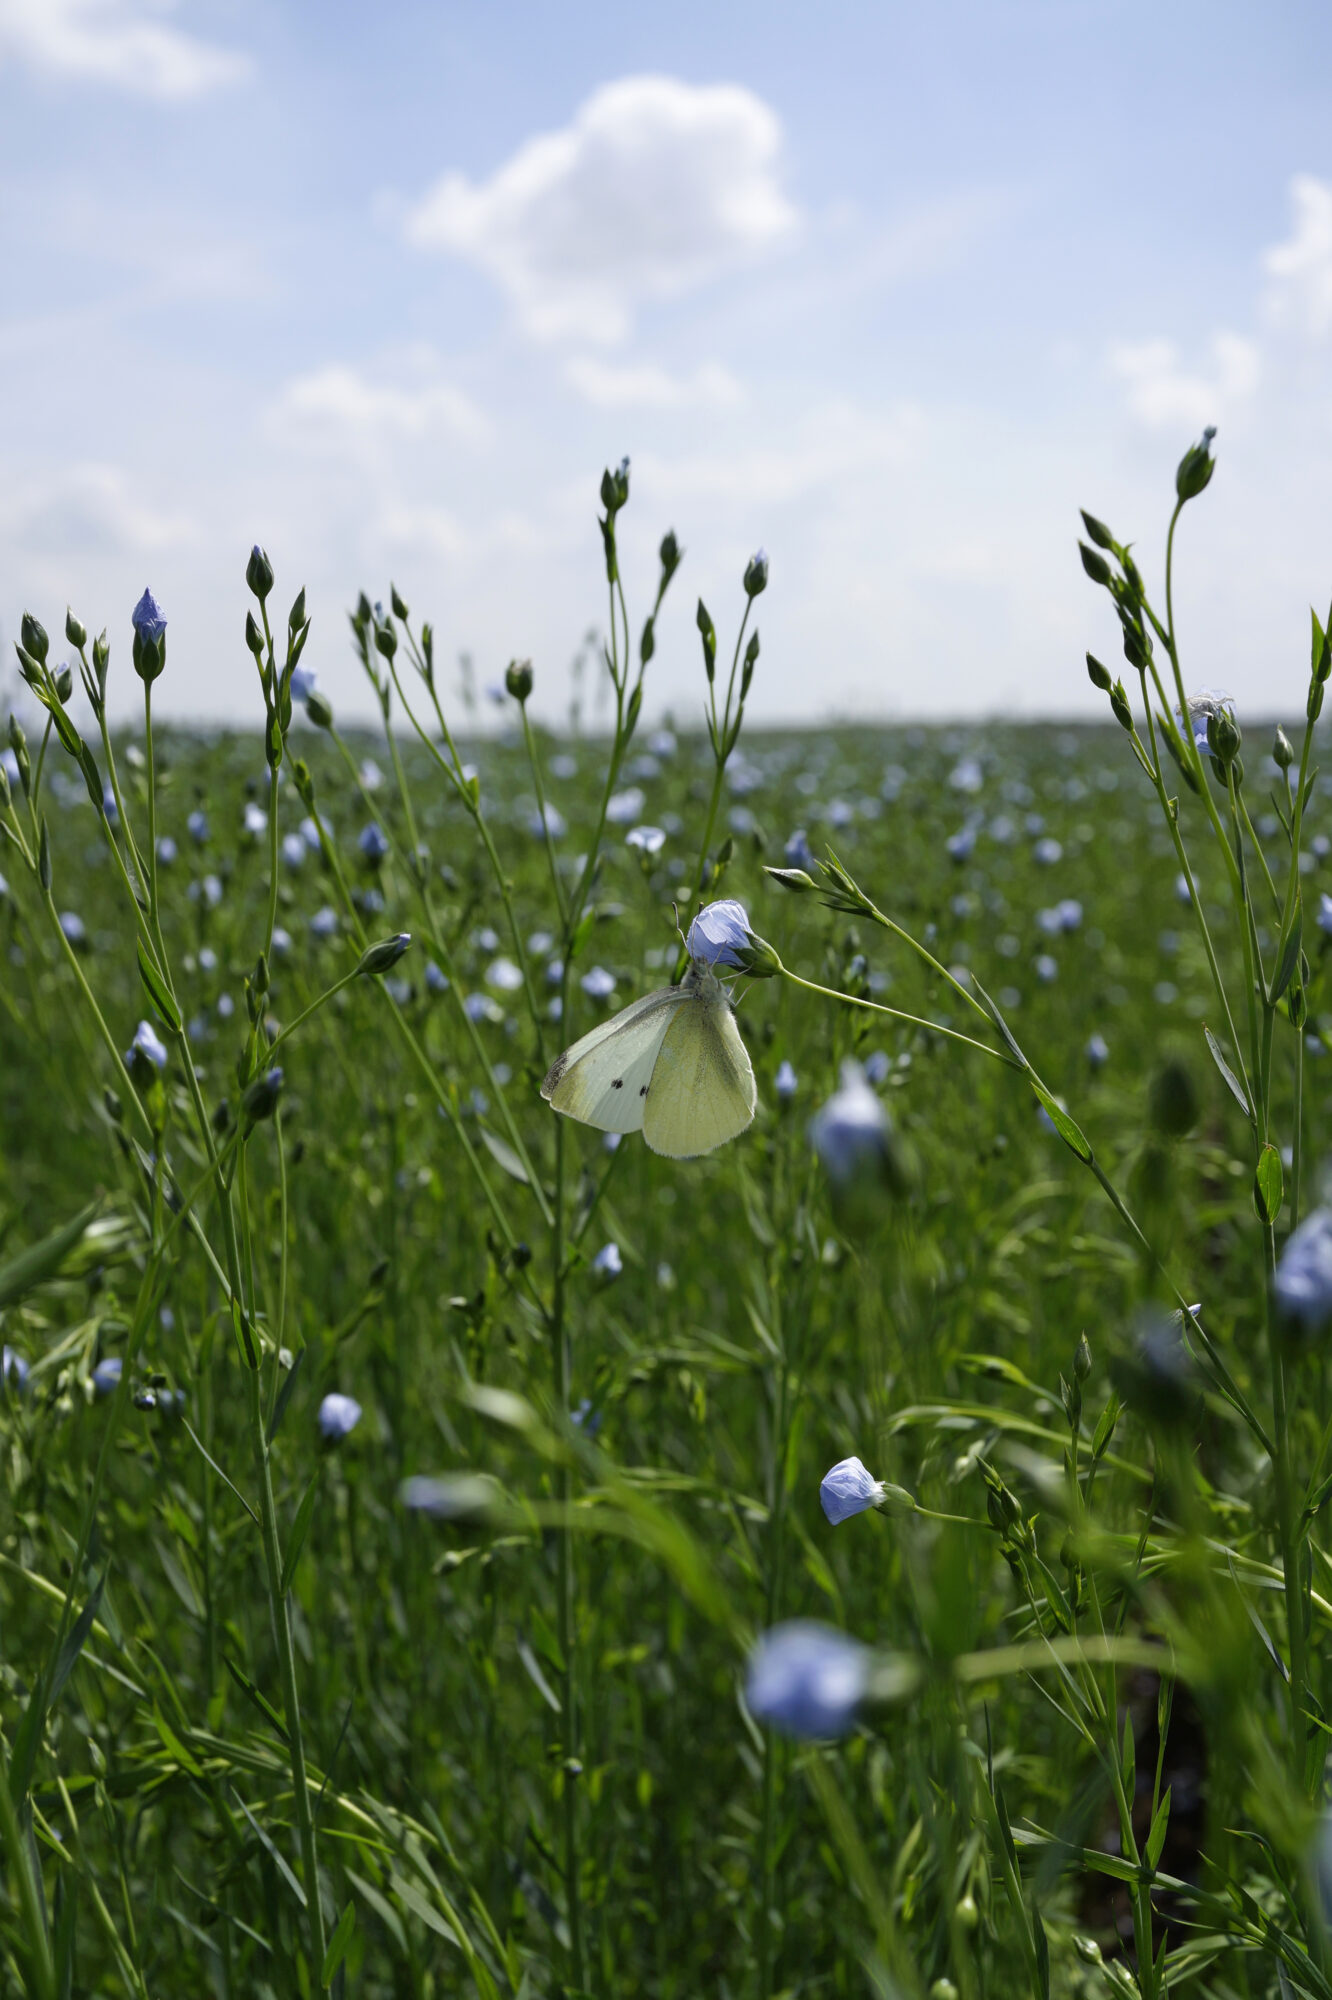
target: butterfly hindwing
702 1091
603 1079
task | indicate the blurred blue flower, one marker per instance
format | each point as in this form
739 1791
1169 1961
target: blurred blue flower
961 843
797 853
1046 969
480 1007
851 1132
11 768
786 1083
255 820
294 850
166 850
109 806
967 776
647 839
849 1488
878 1067
718 932
338 1416
585 1418
1207 702
807 1679
149 1044
303 683
370 775
434 978
623 808
1303 1280
598 984
662 743
324 923
373 842
608 1262
1047 852
504 975
553 824
197 825
281 941
207 959
1098 1051
13 1368
147 618
309 833
226 1006
1325 914
107 1374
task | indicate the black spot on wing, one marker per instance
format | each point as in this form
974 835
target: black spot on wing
617 1083
643 1091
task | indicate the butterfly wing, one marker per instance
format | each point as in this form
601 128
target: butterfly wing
603 1079
702 1089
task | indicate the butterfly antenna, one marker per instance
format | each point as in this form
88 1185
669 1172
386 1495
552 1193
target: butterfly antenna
684 942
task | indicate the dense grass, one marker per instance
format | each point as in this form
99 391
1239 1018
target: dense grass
552 1679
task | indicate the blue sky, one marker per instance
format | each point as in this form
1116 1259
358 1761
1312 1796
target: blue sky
889 291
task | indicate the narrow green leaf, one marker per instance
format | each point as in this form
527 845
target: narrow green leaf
1268 1184
537 1678
300 1528
283 1865
284 1395
1068 1128
1156 1838
40 1261
261 1702
1042 1944
502 1153
155 987
337 1944
75 1642
1290 952
1228 1075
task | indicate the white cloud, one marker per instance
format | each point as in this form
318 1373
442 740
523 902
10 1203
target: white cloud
336 401
645 386
656 187
1300 270
91 507
1162 393
123 43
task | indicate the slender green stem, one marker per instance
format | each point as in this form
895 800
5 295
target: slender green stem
24 1881
896 1014
566 1586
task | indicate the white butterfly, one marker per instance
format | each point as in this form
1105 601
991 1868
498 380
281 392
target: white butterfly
671 1066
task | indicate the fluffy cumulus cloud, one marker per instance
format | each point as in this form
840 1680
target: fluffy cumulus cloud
1164 393
644 386
656 187
334 403
128 45
1299 271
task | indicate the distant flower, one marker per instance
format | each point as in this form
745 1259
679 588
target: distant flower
610 1141
13 1368
148 1044
309 833
598 984
806 1679
961 843
1047 969
226 1006
450 1497
434 978
878 1067
373 842
797 852
840 814
370 775
554 972
849 1488
197 825
338 1416
11 767
207 959
586 1418
554 824
1207 702
324 923
504 976
256 819
786 1083
106 1374
302 683
718 932
1047 852
109 806
294 850
1098 1051
480 1007
147 618
1182 890
851 1133
166 850
1303 1280
662 743
647 839
76 932
1325 914
608 1263
967 776
623 808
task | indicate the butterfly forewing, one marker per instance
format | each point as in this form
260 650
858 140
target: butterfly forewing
603 1079
702 1090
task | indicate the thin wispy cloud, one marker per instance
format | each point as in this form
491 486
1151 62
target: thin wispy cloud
646 386
126 45
655 188
1299 270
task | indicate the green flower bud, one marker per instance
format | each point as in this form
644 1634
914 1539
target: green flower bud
671 555
296 616
254 638
709 632
518 679
1223 735
380 957
756 573
76 633
1196 467
386 640
1082 1359
33 639
399 607
1119 706
1282 754
261 1099
1096 530
757 958
615 487
259 573
319 709
794 879
64 682
1098 675
1097 568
